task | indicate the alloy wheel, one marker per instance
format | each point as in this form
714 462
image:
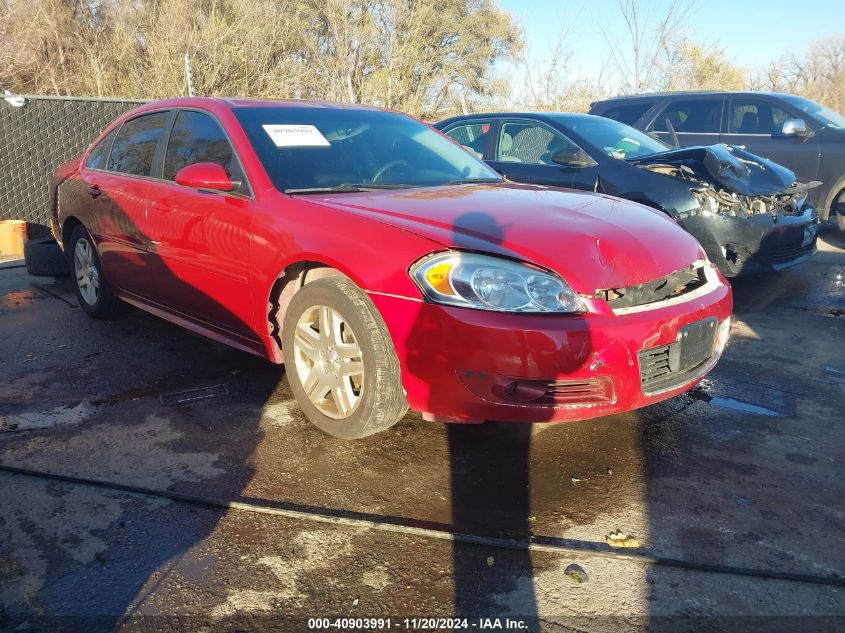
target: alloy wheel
328 362
85 269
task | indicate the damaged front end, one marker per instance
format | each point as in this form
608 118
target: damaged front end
751 215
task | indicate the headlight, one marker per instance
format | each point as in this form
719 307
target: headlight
489 283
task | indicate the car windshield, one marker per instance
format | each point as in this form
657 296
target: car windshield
615 139
314 150
820 113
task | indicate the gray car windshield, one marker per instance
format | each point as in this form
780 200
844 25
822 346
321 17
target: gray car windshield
340 150
615 139
820 113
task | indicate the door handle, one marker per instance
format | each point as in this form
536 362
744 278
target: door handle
161 206
95 191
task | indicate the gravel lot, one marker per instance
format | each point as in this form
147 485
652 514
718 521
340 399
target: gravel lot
745 471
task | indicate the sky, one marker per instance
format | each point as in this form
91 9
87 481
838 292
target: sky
751 32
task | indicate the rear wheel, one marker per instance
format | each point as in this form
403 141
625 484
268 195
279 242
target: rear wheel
340 361
92 290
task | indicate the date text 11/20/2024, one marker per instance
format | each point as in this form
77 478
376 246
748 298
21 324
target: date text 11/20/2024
417 624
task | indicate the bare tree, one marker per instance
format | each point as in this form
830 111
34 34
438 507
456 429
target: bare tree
817 73
421 57
692 65
552 81
650 29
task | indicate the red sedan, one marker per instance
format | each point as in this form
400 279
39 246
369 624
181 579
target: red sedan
386 266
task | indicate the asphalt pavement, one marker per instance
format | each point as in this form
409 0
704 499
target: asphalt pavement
173 484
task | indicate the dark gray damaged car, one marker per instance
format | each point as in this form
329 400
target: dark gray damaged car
747 212
753 216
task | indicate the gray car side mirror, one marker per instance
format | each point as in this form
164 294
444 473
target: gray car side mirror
795 127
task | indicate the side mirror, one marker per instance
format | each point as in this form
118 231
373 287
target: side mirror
572 158
795 127
205 176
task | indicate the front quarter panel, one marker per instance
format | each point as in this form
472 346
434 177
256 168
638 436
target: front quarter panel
666 193
376 256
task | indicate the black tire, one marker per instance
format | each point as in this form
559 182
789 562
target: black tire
835 205
381 401
106 304
44 258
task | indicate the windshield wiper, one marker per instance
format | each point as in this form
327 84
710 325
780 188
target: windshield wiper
471 181
350 187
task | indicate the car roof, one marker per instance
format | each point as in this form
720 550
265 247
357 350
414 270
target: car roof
685 93
242 102
549 116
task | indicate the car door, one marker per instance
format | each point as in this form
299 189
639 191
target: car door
523 153
696 121
757 123
199 238
118 188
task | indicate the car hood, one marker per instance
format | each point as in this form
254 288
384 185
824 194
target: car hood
593 241
733 168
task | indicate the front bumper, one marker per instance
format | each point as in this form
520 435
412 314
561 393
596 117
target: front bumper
467 365
756 244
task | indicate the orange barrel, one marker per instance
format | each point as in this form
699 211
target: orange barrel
12 237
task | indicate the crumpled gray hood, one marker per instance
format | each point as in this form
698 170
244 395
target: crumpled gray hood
729 166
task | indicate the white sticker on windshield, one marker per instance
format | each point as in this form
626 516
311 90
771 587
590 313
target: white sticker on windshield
295 136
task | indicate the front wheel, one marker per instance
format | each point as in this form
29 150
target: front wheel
340 361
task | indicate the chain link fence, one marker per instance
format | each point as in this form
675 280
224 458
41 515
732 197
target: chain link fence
38 137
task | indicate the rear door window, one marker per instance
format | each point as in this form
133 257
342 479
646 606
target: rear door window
630 113
527 142
135 144
198 138
755 116
693 116
97 157
473 136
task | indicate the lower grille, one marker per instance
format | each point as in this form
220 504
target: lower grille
783 255
590 391
654 365
668 366
561 392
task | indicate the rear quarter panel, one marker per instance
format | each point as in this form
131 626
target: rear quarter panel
68 198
